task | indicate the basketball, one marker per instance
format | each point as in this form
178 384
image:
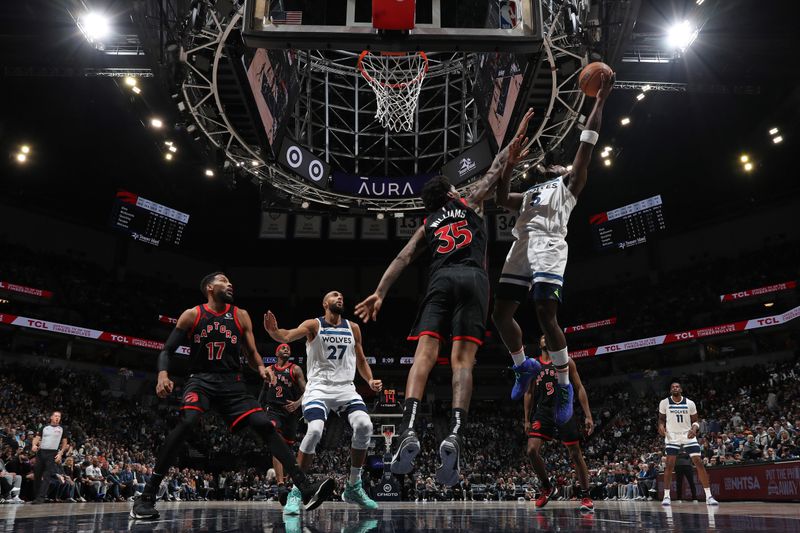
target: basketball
589 79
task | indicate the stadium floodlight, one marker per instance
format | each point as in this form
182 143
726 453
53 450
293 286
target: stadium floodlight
640 97
130 81
748 167
778 139
605 154
254 162
172 149
137 90
625 121
700 2
744 158
646 88
769 304
168 156
681 35
607 162
168 143
380 216
773 131
209 173
22 157
305 205
94 26
25 149
156 122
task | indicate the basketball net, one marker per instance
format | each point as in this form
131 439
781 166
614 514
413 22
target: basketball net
396 79
388 433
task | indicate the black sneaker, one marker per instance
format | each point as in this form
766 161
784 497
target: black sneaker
403 458
315 494
144 507
450 453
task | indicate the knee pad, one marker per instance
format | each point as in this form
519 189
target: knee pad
362 429
313 436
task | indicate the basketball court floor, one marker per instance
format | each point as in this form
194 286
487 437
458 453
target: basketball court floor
474 517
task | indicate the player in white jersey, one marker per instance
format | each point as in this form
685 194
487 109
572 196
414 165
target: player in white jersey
538 257
677 423
333 353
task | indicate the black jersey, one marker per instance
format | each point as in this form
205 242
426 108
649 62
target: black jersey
545 393
285 389
457 236
216 340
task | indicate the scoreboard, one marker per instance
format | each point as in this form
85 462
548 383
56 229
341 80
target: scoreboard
628 225
147 221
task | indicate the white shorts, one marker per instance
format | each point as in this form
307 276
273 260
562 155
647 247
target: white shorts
674 444
321 399
535 259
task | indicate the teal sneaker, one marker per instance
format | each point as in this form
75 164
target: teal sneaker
355 494
293 502
292 524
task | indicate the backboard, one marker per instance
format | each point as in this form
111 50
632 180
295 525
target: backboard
440 25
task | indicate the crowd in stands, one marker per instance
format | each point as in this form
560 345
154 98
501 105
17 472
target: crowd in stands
747 415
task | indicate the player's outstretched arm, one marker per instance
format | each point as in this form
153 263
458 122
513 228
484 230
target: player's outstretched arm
583 398
251 351
307 329
580 165
185 323
362 364
368 309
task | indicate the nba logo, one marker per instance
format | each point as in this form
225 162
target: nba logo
509 15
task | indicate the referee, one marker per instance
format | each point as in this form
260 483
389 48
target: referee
46 447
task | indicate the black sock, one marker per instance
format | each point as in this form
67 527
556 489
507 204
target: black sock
409 414
458 421
151 488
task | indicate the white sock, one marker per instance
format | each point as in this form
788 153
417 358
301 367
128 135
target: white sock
561 361
355 474
518 357
666 494
708 492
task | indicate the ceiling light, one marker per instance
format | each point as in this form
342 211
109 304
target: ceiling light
646 88
773 131
527 165
748 167
168 156
607 162
606 148
156 122
700 2
25 149
3 301
254 163
380 216
130 81
640 96
168 143
209 173
399 215
172 149
94 26
22 158
304 205
778 139
604 155
625 121
769 304
137 90
681 35
744 158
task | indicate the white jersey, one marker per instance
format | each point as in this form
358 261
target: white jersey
331 356
545 210
679 420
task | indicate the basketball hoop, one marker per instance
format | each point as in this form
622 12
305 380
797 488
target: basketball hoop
388 433
396 79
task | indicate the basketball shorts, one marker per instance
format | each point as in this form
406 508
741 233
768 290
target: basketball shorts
544 427
456 305
321 399
534 262
224 393
674 444
285 422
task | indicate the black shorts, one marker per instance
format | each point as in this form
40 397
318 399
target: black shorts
457 304
545 428
539 291
224 393
285 423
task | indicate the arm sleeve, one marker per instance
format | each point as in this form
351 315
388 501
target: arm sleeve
173 341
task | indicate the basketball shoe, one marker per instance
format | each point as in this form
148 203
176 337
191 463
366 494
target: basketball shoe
544 497
523 374
450 454
144 507
587 505
355 494
403 458
563 409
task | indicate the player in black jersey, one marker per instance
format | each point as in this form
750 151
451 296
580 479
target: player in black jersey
282 399
540 425
456 304
218 331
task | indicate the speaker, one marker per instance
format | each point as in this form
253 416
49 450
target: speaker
303 163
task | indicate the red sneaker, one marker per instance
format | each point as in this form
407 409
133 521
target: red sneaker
587 505
544 497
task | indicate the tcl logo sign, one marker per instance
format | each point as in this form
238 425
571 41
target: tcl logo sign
38 324
613 348
120 338
684 335
769 321
744 294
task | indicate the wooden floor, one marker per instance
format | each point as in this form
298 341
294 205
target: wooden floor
475 517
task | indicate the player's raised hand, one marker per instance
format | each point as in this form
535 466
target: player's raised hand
368 309
517 150
523 125
267 374
606 84
376 385
270 322
164 386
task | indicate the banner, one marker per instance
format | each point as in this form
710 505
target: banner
591 325
503 224
307 227
692 334
406 226
343 228
273 225
27 291
374 229
167 319
778 287
86 333
379 186
754 482
470 163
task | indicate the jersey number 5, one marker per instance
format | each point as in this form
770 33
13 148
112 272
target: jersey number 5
211 346
332 349
450 236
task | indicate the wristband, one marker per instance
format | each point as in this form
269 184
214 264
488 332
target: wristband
589 136
696 426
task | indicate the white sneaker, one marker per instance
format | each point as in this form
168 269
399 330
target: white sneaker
16 499
666 502
711 501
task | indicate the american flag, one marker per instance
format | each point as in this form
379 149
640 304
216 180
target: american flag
287 17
